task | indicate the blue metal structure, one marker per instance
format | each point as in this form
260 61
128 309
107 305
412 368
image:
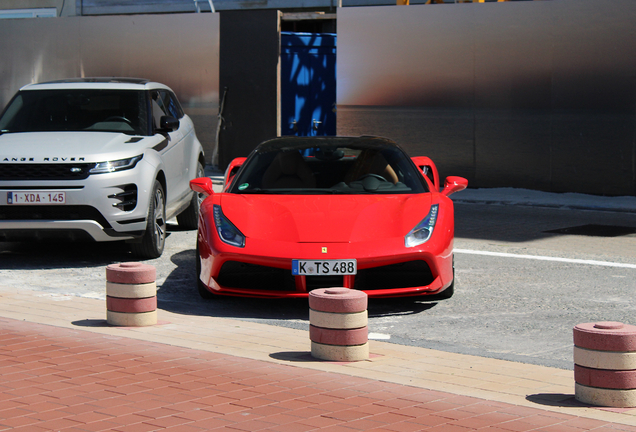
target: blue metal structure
308 84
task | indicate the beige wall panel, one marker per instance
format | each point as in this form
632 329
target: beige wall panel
179 50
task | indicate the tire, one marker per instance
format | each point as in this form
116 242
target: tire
203 291
154 238
189 218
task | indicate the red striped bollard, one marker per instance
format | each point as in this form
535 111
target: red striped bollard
338 324
131 294
605 364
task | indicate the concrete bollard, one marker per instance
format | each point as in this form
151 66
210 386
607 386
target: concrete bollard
605 364
338 324
131 294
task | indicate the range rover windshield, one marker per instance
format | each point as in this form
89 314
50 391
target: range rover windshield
121 111
328 166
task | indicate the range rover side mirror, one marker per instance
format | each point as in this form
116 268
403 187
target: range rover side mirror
168 124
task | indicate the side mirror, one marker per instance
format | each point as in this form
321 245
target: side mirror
202 185
168 124
454 184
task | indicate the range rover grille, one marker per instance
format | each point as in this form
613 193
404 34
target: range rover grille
52 212
28 171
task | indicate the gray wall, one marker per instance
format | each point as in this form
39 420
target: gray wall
179 50
538 95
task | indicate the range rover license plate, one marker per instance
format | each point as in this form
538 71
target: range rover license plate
324 267
36 197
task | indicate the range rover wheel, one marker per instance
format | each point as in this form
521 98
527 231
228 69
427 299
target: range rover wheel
189 218
154 239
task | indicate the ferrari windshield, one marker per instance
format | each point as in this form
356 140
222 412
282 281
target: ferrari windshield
329 165
122 111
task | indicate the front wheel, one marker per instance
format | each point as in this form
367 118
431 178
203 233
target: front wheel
154 238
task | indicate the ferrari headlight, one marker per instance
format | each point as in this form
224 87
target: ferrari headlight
116 165
227 231
423 230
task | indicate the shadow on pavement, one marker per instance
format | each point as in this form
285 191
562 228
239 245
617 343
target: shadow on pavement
517 223
52 255
91 323
557 400
295 356
46 255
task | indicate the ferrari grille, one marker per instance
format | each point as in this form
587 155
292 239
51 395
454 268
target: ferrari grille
402 275
317 282
28 171
236 274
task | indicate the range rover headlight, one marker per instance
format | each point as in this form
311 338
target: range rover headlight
423 230
116 165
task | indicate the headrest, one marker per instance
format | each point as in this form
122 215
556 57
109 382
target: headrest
289 162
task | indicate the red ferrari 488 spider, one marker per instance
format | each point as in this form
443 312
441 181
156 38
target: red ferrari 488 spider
302 213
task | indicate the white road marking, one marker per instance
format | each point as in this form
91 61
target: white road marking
379 336
546 258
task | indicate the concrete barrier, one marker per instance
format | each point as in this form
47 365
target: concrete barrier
338 324
131 294
605 364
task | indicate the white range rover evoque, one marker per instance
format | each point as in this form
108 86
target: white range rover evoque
97 158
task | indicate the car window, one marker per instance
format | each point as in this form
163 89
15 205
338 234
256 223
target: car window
158 109
173 106
164 103
122 111
330 170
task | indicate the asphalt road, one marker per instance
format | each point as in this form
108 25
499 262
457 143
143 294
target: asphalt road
520 303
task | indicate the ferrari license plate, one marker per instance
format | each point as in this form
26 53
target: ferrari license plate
36 197
324 267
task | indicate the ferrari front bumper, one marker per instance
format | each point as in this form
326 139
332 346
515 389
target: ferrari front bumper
267 277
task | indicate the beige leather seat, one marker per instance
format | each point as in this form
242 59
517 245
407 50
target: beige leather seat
288 170
371 162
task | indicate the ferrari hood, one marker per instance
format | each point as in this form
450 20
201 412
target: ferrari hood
56 147
325 219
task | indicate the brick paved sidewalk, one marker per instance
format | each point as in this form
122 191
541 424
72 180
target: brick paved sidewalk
62 379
